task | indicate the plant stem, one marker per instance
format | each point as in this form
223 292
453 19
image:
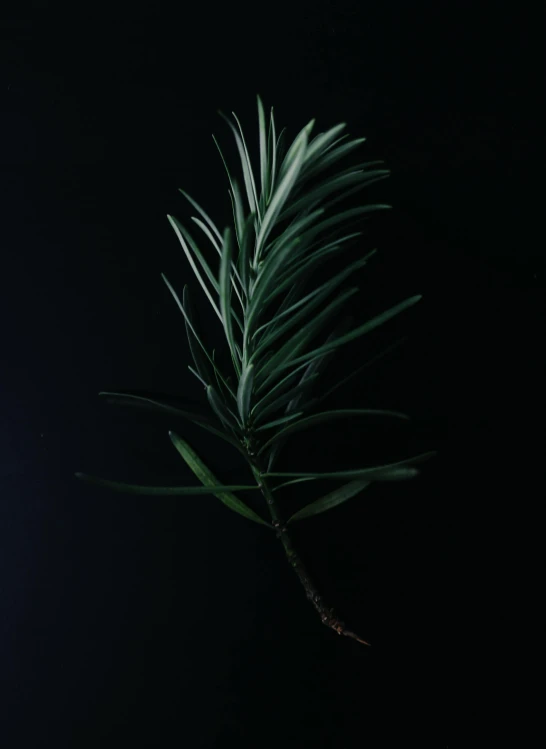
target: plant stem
327 615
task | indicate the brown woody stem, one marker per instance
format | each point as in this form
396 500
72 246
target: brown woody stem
327 615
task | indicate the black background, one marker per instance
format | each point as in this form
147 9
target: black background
142 621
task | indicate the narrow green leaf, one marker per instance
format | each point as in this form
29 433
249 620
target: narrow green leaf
210 275
292 294
198 419
295 229
198 358
330 416
189 322
221 409
314 166
365 328
245 252
181 233
207 232
296 276
343 217
317 365
344 194
278 154
268 278
238 211
169 491
388 472
225 391
282 420
302 136
287 355
225 299
244 392
245 163
296 270
308 303
330 500
198 208
196 374
264 176
335 185
321 141
313 369
275 391
272 142
281 195
334 154
205 475
237 287
301 262
259 414
248 174
288 483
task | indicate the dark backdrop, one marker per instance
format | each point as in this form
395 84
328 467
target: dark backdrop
141 621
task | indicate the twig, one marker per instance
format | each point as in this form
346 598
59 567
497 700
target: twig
327 615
